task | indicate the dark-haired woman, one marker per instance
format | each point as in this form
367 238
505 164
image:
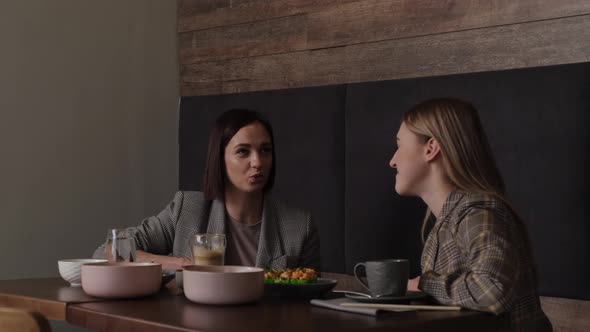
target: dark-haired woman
235 201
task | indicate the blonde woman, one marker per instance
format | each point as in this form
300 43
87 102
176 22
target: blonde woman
477 254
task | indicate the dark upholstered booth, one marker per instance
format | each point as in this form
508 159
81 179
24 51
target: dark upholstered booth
334 143
308 126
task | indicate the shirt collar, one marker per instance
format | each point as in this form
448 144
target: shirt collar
450 203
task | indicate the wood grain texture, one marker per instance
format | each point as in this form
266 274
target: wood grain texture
496 48
192 7
50 309
241 75
567 314
350 23
177 313
196 17
368 21
279 35
48 296
15 320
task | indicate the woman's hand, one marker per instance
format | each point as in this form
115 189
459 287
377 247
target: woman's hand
168 262
413 284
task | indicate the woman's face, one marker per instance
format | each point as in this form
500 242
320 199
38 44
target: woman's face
409 162
248 158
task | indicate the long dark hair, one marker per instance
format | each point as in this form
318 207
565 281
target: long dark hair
225 127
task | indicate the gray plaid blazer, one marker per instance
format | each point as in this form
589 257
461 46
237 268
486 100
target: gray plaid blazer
288 237
477 256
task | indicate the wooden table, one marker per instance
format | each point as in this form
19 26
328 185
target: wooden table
176 313
168 312
48 296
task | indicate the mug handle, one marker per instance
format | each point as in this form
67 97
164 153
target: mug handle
364 284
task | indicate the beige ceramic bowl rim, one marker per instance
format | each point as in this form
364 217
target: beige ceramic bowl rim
123 265
238 269
82 260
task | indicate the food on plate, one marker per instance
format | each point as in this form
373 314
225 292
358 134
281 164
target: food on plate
298 276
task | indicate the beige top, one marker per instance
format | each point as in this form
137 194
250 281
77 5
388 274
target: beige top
242 242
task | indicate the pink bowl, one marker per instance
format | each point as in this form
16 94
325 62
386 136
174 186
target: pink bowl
121 280
223 284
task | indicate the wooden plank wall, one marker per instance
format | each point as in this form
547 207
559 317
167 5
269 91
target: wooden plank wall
229 46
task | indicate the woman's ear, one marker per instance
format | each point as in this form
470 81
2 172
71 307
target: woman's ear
431 149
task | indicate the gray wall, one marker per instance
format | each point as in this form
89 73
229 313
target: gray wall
88 124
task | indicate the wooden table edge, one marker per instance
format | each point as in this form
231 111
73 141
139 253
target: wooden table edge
76 315
55 310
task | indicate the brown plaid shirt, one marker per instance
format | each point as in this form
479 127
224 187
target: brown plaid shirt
476 257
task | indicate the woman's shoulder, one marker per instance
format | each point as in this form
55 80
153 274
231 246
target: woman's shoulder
473 203
483 200
189 200
189 194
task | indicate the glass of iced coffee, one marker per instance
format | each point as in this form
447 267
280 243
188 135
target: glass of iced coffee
208 249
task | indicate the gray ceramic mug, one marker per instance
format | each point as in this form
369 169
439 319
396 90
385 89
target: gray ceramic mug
388 277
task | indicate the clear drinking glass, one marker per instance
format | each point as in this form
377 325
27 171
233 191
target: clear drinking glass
208 249
120 245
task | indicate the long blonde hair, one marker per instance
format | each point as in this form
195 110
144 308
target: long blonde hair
467 155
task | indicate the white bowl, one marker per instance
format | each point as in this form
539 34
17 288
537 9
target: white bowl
70 269
121 280
223 284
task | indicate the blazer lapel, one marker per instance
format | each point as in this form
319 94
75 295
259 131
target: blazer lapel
269 245
430 251
216 224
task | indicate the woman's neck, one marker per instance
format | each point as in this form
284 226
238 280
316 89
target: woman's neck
243 207
435 200
438 192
